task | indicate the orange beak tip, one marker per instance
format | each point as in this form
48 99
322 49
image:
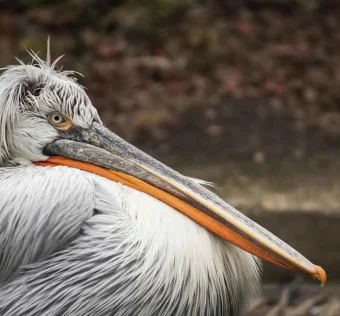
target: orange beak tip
321 275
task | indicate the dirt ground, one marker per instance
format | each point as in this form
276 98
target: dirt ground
246 95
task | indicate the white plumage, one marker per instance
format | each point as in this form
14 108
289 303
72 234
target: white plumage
134 253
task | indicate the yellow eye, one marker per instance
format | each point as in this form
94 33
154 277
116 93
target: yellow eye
59 121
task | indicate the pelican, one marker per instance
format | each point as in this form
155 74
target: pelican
92 226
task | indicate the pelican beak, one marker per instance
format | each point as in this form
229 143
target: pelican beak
102 152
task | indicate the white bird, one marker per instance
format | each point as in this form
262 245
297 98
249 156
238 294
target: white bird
90 225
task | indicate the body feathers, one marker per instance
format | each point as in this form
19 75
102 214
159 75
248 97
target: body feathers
101 248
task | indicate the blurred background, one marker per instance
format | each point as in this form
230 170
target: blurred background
245 94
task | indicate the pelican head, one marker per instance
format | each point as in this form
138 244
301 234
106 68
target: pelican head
47 119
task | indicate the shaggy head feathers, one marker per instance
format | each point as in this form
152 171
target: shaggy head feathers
31 92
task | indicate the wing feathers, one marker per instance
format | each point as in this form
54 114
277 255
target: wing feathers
41 209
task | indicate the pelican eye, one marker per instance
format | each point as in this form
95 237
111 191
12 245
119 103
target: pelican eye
59 121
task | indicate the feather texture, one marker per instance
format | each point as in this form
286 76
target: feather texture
39 213
28 93
134 256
